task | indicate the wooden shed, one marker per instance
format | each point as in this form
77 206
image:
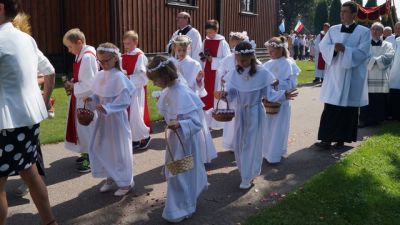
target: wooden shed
154 20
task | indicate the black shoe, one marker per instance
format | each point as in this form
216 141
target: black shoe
82 158
338 145
361 125
323 144
144 144
135 144
322 80
316 81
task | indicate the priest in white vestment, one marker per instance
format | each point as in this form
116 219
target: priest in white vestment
346 49
379 64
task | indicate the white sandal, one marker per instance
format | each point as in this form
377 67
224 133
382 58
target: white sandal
122 191
107 186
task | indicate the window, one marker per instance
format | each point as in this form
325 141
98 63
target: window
248 6
182 2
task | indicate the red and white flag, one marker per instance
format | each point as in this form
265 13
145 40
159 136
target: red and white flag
299 26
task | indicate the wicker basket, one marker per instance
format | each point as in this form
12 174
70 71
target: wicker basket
223 115
271 107
180 165
85 116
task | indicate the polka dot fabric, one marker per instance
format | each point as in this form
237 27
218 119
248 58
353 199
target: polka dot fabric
18 149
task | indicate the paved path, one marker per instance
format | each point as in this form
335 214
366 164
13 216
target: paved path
76 200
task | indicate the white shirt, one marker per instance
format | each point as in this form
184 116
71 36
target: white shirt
21 102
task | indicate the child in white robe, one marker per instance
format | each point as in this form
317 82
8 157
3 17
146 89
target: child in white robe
228 64
192 72
277 125
84 69
247 86
134 63
215 48
182 110
110 148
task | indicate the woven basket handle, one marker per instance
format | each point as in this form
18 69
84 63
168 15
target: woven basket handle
168 146
227 104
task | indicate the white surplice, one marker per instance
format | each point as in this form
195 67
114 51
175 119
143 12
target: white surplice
139 79
223 51
379 67
277 125
246 93
318 73
180 103
227 65
394 80
110 150
345 81
87 71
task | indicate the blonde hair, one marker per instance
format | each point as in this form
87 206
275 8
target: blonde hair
109 45
74 35
131 34
21 22
166 74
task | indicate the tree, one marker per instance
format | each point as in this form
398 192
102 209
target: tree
293 9
321 15
371 3
334 12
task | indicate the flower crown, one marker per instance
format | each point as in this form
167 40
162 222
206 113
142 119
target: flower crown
247 51
159 66
188 40
274 44
241 35
111 50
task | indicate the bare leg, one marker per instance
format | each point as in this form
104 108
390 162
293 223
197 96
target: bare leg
38 193
3 201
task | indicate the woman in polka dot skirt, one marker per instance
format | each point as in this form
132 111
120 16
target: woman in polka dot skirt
22 108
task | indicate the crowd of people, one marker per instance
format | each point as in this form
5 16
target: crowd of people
197 80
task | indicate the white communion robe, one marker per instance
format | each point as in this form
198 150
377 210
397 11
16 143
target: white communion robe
110 149
87 71
189 68
277 125
227 65
246 93
139 80
345 82
178 102
223 51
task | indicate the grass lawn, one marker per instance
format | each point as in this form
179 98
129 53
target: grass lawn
52 131
307 71
362 189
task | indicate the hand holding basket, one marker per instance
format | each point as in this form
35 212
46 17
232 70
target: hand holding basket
177 166
223 115
85 116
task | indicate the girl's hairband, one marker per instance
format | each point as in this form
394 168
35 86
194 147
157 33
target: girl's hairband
274 44
159 66
247 51
111 50
188 40
241 35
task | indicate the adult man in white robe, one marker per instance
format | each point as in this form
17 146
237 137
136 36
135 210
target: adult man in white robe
345 48
393 37
183 19
387 32
379 64
319 60
394 82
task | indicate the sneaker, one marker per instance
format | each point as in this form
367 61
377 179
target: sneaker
122 191
82 158
85 167
245 185
144 144
107 186
21 190
135 144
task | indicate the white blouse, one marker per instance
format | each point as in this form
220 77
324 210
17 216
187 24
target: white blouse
21 102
